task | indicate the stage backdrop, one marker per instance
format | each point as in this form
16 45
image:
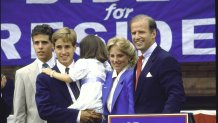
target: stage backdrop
186 28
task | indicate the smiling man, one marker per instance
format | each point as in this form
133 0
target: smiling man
158 78
53 97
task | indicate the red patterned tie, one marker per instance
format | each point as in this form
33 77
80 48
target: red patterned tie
138 70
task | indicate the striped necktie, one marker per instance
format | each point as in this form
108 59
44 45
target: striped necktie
73 86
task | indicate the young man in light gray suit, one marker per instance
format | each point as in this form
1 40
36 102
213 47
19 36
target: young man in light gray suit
25 110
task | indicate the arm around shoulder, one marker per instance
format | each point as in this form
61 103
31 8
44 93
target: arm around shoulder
48 109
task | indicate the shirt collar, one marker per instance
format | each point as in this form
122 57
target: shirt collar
114 74
50 62
149 51
61 67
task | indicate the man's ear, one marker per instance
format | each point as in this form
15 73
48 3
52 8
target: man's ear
154 34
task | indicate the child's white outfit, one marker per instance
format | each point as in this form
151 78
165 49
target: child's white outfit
91 73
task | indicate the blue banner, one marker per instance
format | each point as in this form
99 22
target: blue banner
149 118
186 28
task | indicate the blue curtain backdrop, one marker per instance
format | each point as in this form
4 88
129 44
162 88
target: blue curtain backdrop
186 28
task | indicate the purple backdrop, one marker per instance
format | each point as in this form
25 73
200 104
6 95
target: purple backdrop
186 28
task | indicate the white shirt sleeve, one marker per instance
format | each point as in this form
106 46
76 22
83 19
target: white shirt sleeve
79 70
91 91
89 98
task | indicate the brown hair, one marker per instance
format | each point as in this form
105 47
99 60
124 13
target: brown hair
92 46
66 34
141 17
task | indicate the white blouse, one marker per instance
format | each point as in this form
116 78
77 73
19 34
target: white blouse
92 74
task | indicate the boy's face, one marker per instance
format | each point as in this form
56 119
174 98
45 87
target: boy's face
43 47
64 51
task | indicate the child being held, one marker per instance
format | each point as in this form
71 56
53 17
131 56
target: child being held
90 70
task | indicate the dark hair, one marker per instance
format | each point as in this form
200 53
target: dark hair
92 46
42 29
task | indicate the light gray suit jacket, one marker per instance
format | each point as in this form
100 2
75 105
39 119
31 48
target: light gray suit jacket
25 110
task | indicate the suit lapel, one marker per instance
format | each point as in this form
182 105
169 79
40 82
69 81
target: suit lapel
118 89
146 70
33 71
108 87
64 89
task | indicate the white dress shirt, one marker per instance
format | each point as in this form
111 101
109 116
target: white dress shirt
62 70
148 53
51 63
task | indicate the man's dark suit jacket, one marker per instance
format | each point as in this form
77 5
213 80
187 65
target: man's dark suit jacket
52 99
6 101
160 88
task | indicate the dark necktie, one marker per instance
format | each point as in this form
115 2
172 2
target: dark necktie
45 65
138 70
73 86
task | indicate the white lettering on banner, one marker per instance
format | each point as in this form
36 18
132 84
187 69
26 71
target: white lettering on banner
188 36
54 25
117 13
75 1
71 1
80 1
165 35
41 1
81 28
7 45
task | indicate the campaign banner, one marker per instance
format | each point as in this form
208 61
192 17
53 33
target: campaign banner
186 28
149 118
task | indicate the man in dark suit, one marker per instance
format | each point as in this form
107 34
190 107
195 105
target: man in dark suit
53 97
6 100
158 78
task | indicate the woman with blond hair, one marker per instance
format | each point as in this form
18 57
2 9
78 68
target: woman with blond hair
118 88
